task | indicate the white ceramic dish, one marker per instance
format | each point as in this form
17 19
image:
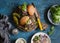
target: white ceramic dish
50 18
40 33
19 40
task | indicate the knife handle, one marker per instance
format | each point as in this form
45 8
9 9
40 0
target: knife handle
39 23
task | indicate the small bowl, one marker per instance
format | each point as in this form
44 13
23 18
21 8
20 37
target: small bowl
41 33
20 39
50 18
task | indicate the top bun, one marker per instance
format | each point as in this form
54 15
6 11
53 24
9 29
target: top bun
31 10
24 20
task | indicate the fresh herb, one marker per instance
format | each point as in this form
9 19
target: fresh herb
52 28
51 31
24 7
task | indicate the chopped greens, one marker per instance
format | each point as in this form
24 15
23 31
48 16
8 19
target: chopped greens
36 38
55 11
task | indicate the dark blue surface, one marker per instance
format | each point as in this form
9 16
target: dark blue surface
7 6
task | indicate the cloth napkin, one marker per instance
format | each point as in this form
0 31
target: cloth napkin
4 28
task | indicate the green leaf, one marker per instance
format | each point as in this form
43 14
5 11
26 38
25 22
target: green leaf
24 7
51 31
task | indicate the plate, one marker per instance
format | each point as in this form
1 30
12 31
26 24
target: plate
19 40
41 33
50 18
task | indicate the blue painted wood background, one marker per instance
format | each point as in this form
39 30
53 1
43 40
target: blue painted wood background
7 6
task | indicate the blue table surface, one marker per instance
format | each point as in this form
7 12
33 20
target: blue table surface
7 6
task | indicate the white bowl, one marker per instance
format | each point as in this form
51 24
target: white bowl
41 34
18 40
50 18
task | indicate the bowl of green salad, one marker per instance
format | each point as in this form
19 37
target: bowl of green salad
54 14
